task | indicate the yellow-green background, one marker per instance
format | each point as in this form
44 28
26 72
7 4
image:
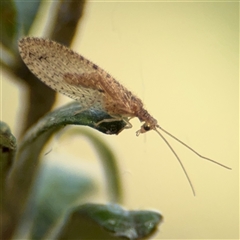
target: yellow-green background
182 60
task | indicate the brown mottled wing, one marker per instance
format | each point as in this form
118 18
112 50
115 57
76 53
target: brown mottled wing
73 75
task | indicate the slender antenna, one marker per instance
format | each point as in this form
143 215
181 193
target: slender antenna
191 149
179 160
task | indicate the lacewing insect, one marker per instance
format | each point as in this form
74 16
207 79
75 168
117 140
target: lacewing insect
71 74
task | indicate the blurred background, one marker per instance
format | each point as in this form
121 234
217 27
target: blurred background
182 60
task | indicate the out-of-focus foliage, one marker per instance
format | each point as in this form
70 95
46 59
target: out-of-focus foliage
41 200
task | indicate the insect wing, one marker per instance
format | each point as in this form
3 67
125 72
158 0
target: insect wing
52 63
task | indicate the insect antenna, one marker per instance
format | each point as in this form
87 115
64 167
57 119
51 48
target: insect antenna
179 160
191 149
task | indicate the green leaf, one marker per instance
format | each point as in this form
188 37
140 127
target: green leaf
58 188
27 159
72 114
26 11
7 151
8 147
7 140
113 218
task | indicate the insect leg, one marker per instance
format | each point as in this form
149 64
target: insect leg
116 118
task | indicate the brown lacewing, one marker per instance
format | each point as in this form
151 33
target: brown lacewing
75 76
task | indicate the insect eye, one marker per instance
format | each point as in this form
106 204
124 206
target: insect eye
146 127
